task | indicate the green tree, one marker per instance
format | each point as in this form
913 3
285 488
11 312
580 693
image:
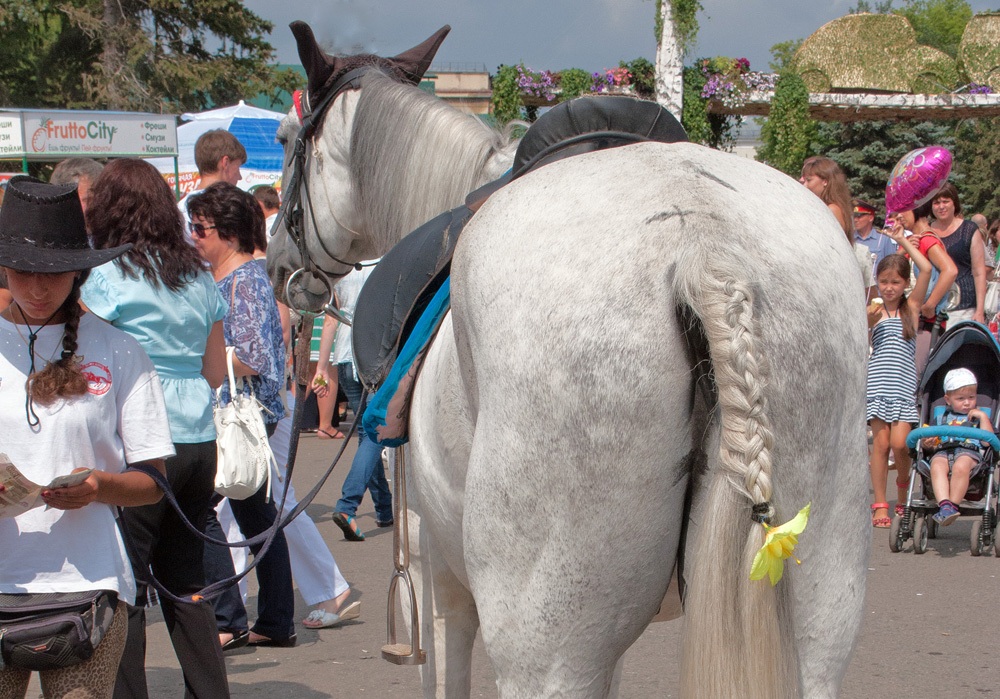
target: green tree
506 99
868 150
574 82
783 54
789 135
42 55
977 163
938 23
156 55
881 7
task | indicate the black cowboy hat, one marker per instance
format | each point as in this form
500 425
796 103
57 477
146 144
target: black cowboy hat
42 229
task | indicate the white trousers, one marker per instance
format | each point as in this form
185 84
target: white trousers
315 571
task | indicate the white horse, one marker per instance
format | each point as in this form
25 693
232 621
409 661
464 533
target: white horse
644 343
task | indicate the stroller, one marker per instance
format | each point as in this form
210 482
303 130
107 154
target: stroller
966 344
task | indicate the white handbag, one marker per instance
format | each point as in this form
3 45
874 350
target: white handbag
991 306
244 451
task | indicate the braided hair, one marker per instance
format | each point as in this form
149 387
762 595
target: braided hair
63 378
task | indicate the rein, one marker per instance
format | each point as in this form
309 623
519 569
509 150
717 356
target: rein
295 208
265 538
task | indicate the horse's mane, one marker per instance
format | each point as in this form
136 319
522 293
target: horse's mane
414 156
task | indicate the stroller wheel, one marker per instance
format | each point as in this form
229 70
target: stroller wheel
976 539
932 528
920 535
896 537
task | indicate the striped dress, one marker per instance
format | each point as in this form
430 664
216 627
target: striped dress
892 374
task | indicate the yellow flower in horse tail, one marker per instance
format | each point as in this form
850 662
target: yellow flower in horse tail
778 545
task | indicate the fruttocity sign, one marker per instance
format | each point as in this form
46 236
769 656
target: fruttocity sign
56 134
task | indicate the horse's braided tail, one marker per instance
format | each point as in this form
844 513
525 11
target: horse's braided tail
736 642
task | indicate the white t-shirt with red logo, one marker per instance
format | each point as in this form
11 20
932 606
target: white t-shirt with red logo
121 419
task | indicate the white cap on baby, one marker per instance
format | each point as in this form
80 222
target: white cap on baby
959 378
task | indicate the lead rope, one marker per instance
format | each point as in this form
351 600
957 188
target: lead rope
302 367
29 403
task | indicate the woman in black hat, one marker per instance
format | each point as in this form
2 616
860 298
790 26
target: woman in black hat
75 394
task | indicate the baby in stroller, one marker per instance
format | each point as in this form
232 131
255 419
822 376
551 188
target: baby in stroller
956 465
955 461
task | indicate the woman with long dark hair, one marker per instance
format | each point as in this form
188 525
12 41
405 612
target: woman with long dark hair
160 293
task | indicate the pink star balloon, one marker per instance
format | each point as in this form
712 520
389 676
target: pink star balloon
916 178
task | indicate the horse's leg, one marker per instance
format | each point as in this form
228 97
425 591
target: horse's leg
441 431
448 621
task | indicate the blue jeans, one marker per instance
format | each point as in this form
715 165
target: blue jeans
366 471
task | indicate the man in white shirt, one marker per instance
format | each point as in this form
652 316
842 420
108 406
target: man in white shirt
270 204
219 156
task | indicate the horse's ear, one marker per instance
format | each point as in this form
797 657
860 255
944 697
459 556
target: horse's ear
415 62
317 63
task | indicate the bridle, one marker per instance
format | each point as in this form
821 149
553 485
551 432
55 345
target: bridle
295 207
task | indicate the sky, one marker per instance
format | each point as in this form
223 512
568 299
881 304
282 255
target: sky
546 34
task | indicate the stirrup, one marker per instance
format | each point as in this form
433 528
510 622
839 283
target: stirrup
401 653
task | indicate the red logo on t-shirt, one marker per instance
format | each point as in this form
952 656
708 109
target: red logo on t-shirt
98 378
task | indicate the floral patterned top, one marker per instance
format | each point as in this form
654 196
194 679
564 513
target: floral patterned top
253 327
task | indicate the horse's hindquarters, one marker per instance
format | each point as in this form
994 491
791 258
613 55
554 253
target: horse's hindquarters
567 289
578 470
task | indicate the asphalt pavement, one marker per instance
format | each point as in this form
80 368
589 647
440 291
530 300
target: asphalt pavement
930 627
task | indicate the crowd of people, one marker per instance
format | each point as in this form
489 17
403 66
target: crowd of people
119 304
928 267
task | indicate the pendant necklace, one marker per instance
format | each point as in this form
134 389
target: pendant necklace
29 407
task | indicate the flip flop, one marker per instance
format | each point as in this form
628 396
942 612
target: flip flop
319 619
239 640
349 526
323 434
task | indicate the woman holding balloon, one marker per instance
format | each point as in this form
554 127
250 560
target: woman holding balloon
917 178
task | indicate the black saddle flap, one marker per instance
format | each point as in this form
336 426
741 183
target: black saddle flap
400 287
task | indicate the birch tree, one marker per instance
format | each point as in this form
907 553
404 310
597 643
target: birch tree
669 62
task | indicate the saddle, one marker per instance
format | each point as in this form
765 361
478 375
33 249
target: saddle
408 276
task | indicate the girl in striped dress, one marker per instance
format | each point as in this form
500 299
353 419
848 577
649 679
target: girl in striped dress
892 369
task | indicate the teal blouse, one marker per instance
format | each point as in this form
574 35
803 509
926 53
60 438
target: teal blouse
173 328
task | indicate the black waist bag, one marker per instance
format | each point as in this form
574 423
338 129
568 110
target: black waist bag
52 630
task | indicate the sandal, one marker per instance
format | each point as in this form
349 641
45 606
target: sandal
349 526
323 434
881 522
900 509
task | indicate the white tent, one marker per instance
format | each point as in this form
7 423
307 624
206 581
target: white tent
254 127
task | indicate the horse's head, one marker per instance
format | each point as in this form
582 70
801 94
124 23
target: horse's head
319 218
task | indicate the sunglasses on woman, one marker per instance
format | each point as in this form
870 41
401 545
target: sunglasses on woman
199 229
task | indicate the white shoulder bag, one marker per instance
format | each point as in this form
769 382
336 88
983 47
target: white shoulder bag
991 306
244 452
